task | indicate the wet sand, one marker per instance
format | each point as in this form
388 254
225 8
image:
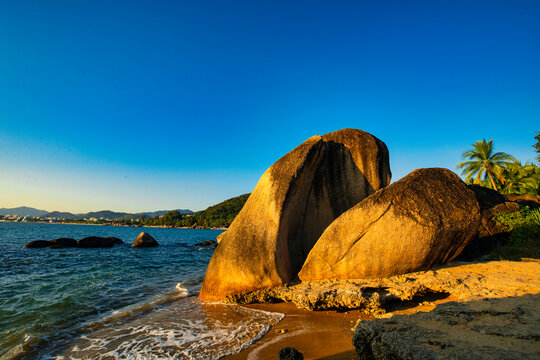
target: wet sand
317 335
323 335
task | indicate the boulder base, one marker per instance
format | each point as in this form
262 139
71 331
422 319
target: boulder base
423 220
292 204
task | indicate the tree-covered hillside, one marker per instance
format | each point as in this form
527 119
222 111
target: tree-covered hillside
220 215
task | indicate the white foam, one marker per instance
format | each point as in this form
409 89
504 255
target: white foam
184 329
181 290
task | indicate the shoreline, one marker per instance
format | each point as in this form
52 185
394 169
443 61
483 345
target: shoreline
115 225
316 334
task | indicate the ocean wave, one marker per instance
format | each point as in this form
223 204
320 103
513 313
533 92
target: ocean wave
183 329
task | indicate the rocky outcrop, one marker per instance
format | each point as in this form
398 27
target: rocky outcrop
418 222
87 242
96 242
496 328
144 240
292 204
462 281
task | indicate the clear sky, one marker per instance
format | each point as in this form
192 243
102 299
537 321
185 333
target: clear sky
147 105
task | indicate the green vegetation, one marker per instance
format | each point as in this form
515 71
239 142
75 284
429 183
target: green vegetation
524 235
500 171
220 215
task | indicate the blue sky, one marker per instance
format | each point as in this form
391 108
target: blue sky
146 105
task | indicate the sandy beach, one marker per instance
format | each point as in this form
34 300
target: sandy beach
316 334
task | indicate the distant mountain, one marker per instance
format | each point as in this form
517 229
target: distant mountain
105 214
22 211
109 215
60 215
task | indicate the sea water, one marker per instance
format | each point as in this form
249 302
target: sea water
115 303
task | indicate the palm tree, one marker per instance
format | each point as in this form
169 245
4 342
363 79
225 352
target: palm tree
483 163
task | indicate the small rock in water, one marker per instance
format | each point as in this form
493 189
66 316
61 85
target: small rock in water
207 243
290 353
144 240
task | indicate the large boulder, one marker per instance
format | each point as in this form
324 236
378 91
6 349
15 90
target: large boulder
292 204
144 240
420 221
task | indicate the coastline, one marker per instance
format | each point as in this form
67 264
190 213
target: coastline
117 225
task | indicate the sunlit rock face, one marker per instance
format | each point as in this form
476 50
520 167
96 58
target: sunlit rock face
420 221
292 204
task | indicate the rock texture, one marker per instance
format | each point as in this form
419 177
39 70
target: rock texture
496 328
144 240
420 221
462 281
292 204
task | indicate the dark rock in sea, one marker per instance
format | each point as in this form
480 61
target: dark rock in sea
491 328
117 241
290 353
207 243
64 243
420 221
38 244
292 204
144 240
96 242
